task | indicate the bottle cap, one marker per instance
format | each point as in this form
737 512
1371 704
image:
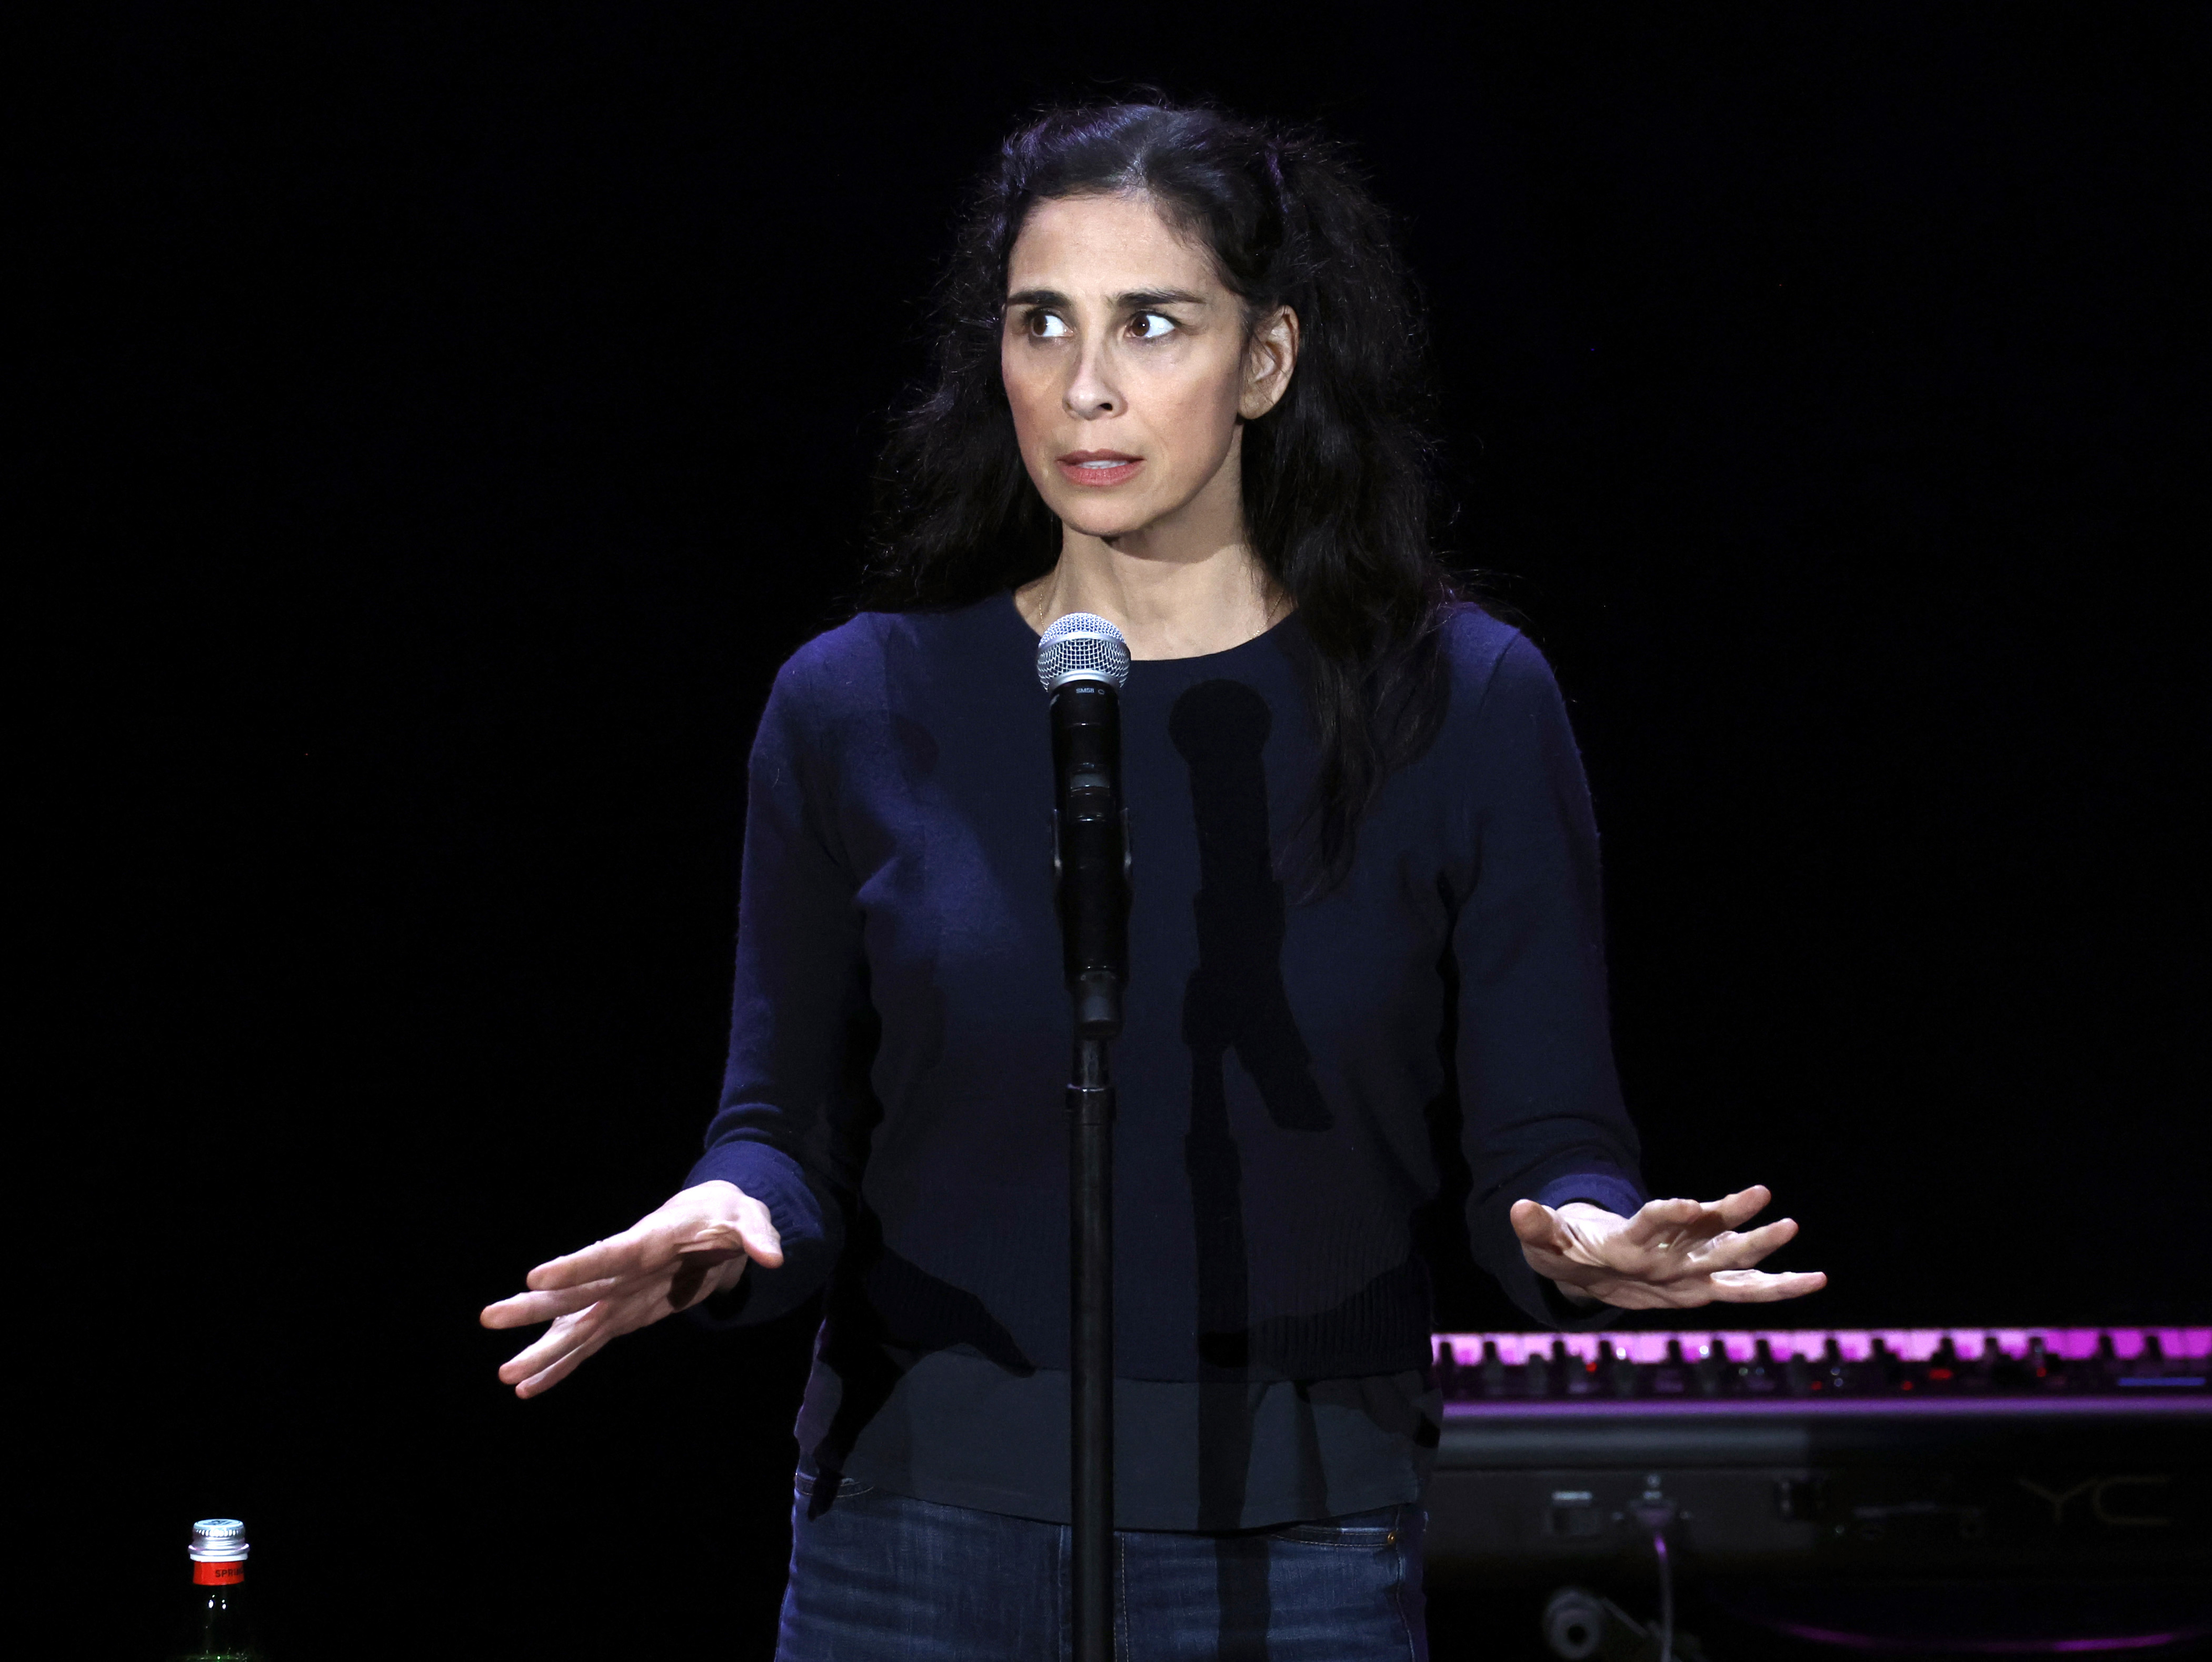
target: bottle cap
218 1540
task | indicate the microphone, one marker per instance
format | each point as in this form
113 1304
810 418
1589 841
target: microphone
1082 661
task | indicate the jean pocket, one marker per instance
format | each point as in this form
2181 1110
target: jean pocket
1368 1533
807 1484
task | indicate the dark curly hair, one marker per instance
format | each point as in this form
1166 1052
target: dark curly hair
1336 476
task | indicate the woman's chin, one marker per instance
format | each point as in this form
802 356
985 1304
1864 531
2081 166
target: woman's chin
1104 520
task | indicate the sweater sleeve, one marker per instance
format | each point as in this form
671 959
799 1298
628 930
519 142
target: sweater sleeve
1540 1106
786 1131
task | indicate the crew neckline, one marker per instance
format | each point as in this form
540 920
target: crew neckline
1274 631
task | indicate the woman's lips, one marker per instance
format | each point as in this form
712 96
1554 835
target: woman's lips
1098 467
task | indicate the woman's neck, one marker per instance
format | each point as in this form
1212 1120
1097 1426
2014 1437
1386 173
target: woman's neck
1169 602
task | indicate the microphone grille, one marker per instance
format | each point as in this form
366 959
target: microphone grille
1082 647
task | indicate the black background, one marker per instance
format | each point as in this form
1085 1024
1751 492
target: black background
464 411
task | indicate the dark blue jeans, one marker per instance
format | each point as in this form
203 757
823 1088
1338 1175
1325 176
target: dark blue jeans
876 1577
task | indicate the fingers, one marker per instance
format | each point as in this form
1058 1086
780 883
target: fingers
568 1334
1726 1287
1666 1221
698 1243
1745 1205
631 1305
1731 1251
526 1308
712 1218
1673 1254
639 1250
559 1369
1674 1221
538 1384
1756 1287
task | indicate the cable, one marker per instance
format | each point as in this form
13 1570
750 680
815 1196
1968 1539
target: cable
1666 1596
1655 1512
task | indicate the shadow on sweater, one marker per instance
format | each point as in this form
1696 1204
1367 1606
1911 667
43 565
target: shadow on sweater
1234 1001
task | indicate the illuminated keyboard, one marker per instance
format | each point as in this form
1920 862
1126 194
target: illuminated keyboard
1961 1369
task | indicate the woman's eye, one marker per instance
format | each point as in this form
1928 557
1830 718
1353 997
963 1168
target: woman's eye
1046 327
1151 326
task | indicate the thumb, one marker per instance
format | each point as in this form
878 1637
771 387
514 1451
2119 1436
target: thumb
762 1244
743 1230
1536 1224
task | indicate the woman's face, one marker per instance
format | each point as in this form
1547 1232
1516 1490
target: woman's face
1127 365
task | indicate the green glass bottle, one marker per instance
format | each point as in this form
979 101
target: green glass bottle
218 1628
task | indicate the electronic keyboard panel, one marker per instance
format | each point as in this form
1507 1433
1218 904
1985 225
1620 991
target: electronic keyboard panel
1961 1368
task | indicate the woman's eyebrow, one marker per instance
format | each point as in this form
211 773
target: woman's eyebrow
1143 298
1136 301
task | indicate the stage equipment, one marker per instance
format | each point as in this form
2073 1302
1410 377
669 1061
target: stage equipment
1083 661
1837 1482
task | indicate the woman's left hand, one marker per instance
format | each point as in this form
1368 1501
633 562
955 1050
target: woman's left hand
1673 1254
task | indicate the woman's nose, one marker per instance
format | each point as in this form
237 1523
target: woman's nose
1089 393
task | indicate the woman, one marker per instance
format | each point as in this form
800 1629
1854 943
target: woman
1175 386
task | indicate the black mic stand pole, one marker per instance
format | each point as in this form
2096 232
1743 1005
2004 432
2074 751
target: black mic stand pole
1091 856
1090 1198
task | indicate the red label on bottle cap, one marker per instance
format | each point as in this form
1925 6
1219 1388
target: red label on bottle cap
210 1572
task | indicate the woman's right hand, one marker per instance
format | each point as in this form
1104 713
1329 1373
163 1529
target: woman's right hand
695 1246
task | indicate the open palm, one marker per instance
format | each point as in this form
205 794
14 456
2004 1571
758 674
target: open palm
1673 1254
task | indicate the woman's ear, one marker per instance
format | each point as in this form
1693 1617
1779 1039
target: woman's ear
1269 358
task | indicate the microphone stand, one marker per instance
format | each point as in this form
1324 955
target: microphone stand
1090 857
1091 1416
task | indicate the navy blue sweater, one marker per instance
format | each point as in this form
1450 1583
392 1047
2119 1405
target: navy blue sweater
1298 1080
